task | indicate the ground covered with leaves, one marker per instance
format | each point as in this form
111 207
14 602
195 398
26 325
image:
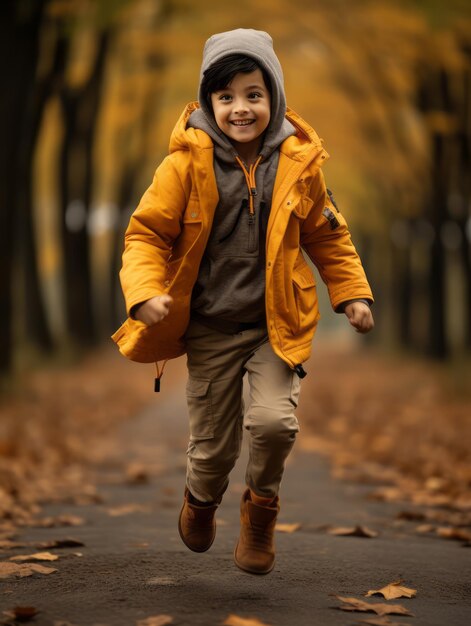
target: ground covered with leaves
54 427
397 423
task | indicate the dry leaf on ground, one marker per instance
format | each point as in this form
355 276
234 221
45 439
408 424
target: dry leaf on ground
59 520
415 466
458 534
424 529
352 531
353 604
14 570
137 474
127 509
393 590
288 528
37 556
22 613
156 620
235 620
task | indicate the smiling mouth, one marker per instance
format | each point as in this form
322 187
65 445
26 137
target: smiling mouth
242 122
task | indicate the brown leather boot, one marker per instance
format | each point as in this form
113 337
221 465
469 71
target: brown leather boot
196 524
255 550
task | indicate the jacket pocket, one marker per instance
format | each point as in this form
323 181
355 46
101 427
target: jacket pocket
305 296
198 395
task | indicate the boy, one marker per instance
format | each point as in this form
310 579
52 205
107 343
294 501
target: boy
213 267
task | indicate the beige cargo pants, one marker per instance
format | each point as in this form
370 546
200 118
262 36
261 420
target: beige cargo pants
217 363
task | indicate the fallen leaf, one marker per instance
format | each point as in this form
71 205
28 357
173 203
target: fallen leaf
235 620
165 581
137 474
353 604
412 516
126 509
90 496
7 544
60 520
352 531
423 529
388 494
156 620
22 613
393 590
15 570
288 528
37 556
442 517
458 534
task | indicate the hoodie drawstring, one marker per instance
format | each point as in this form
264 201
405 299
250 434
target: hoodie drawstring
159 375
252 187
250 178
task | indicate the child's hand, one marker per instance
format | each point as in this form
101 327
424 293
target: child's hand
360 317
153 310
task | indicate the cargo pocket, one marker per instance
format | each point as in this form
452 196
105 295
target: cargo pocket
198 395
295 390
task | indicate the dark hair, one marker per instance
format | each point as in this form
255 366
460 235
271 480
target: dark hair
222 71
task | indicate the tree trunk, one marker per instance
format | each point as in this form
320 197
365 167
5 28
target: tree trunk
19 30
80 110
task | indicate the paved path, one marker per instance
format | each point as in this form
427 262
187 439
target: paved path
135 566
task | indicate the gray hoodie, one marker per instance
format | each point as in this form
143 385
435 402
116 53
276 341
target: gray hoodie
231 278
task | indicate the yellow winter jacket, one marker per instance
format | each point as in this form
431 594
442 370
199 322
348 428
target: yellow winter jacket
168 232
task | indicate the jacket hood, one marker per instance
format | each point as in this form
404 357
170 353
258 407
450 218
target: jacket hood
257 45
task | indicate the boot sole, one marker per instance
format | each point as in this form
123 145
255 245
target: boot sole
251 571
199 550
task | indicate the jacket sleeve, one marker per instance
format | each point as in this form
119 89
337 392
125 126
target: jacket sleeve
152 229
326 239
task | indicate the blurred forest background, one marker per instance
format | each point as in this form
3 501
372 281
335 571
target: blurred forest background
92 89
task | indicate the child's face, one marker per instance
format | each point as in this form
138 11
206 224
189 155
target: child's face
242 109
